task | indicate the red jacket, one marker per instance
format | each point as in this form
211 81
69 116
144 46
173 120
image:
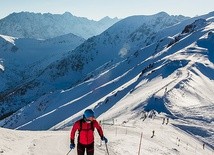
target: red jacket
86 131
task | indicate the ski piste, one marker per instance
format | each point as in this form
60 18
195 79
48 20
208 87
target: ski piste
124 139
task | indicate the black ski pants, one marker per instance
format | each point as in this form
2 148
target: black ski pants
88 148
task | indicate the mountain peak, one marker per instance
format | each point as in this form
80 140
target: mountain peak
67 14
107 19
212 12
162 13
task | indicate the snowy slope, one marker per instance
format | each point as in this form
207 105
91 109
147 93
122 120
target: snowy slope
123 140
107 48
25 55
27 51
23 59
87 60
176 80
45 26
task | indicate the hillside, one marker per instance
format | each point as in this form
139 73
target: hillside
87 60
23 59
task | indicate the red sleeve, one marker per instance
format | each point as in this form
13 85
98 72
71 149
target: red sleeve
98 127
76 126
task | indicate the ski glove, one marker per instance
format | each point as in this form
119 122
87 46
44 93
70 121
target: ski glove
104 139
72 146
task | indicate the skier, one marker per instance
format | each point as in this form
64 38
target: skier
86 126
163 120
167 121
203 145
153 133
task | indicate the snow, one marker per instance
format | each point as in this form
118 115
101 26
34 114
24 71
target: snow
1 65
43 66
123 139
8 38
172 78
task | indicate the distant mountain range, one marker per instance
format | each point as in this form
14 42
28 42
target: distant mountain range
44 26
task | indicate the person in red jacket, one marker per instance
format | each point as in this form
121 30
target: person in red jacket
86 127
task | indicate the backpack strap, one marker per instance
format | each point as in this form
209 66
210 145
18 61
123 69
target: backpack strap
92 126
81 125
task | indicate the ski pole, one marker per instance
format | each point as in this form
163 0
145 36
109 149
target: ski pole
107 148
68 152
140 143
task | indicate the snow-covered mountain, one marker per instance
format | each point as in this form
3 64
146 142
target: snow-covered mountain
85 61
111 46
23 59
21 55
45 26
123 78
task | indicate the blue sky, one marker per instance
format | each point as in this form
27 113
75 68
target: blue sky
97 9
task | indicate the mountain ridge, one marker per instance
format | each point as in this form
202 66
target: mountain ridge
47 25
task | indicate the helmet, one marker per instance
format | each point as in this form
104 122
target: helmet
88 113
